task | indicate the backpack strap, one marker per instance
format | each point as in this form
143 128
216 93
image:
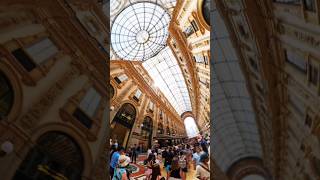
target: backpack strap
204 167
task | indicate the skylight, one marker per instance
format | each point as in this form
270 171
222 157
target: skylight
166 73
140 31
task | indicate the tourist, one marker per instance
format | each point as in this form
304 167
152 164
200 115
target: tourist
116 143
115 159
183 161
175 171
164 154
120 172
156 172
168 159
188 155
203 170
134 152
149 152
196 156
113 149
203 144
150 161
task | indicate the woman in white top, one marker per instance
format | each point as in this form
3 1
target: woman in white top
203 170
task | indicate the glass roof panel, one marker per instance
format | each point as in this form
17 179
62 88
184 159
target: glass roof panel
167 75
140 31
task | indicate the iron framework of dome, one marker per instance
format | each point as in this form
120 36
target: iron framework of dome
140 31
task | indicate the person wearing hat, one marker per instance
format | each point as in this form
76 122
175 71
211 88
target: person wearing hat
203 170
120 172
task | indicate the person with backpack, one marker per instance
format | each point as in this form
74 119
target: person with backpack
121 172
203 170
175 171
115 159
150 162
156 171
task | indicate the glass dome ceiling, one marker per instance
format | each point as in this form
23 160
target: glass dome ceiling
140 31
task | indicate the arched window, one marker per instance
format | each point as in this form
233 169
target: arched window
168 130
160 128
126 115
6 96
54 155
146 130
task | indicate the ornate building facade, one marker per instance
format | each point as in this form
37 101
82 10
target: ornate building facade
277 45
53 105
140 113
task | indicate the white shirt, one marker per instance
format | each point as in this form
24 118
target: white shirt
202 172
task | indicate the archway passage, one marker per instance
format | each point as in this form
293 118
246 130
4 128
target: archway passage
146 130
123 123
55 156
6 96
191 127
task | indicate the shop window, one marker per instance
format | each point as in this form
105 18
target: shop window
6 96
296 60
121 78
310 5
88 107
36 54
137 95
126 115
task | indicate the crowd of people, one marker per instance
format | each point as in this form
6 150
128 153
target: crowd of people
176 160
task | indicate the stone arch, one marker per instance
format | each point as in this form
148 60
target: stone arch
247 166
123 122
73 133
148 129
129 101
15 83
